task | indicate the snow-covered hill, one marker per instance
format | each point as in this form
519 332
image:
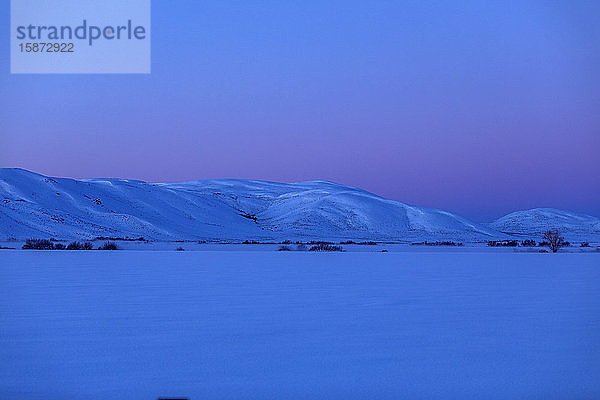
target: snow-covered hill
533 222
32 205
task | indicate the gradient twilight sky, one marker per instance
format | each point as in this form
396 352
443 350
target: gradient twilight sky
475 107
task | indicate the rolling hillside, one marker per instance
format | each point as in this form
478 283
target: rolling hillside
533 222
33 205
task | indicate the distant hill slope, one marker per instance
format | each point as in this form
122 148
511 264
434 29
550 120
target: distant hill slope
533 222
33 205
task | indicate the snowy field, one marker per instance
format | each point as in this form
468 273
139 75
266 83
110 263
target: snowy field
296 325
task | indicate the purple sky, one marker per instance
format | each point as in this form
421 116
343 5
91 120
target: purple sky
480 108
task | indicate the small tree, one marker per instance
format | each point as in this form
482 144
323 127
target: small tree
554 239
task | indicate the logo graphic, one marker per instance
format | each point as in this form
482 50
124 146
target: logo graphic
80 36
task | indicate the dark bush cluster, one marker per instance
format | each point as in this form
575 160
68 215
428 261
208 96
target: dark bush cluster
80 246
108 246
528 243
585 244
250 242
325 247
125 239
316 247
43 244
38 244
438 243
545 243
503 243
552 239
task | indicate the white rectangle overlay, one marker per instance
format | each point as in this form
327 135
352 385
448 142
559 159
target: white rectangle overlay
80 36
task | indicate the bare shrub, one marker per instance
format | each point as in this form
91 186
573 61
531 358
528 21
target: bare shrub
80 246
554 239
38 244
325 247
503 243
75 246
108 246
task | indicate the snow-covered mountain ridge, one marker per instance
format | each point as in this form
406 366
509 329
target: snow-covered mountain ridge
33 205
534 222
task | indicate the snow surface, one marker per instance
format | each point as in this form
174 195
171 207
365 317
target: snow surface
33 205
270 325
